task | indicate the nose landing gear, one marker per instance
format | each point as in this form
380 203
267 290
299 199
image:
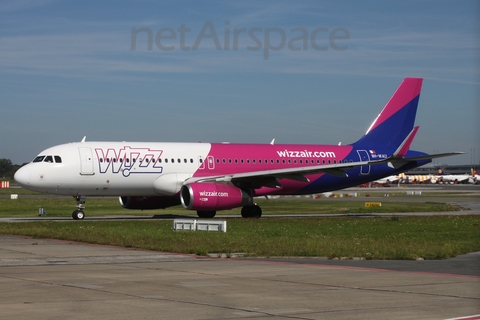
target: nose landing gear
79 214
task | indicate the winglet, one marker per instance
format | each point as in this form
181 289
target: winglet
405 145
84 138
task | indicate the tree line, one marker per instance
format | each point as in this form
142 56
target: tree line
8 169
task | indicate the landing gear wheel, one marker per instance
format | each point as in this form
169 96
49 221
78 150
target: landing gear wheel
206 214
253 211
78 215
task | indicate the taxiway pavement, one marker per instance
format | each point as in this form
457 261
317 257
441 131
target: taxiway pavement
52 279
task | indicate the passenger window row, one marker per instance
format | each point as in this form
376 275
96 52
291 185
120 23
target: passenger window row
283 161
236 161
147 160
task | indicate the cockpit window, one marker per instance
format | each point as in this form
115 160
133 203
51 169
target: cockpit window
48 159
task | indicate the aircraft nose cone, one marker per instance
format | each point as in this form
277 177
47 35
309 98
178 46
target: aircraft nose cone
22 176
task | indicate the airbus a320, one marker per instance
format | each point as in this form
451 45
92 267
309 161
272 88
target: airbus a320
208 177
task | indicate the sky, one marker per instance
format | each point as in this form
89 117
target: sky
239 71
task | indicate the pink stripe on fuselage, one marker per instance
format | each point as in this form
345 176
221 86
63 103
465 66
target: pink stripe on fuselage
225 158
406 92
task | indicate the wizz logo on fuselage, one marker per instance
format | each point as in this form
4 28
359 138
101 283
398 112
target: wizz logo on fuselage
129 160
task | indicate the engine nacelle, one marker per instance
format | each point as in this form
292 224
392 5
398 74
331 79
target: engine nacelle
211 196
147 203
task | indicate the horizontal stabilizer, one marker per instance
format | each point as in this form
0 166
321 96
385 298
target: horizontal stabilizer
432 156
397 162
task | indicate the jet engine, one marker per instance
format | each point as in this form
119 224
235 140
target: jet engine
212 196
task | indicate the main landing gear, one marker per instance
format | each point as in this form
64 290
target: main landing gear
79 214
253 211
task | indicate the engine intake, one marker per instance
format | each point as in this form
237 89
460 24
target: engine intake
211 196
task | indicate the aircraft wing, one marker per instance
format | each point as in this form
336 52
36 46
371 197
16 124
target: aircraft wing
269 178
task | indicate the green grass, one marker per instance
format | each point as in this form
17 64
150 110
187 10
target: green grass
26 206
372 238
435 237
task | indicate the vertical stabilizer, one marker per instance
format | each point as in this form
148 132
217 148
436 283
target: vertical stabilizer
396 121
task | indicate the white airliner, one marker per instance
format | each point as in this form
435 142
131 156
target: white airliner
208 177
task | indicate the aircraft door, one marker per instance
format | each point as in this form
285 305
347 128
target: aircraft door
364 156
211 162
86 161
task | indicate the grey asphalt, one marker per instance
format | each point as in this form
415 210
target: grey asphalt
52 279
